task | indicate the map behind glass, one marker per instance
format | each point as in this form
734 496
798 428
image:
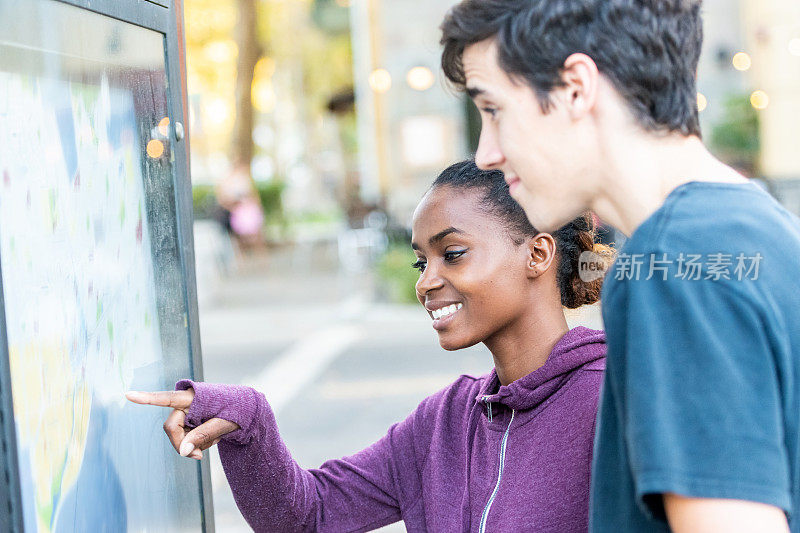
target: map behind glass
85 250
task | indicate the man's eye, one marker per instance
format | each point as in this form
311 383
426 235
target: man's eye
452 256
419 265
491 111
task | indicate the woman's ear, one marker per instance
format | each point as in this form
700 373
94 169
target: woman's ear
541 254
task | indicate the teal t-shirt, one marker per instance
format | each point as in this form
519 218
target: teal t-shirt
702 388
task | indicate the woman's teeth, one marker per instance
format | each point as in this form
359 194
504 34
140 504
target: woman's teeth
445 311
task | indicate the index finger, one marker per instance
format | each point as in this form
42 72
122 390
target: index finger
177 399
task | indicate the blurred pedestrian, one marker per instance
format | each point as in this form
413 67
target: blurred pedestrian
591 104
507 451
237 195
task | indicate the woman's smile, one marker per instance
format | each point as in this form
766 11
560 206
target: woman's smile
443 314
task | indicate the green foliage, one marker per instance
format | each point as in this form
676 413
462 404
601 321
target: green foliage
331 17
307 41
317 218
349 133
735 139
271 195
203 200
293 38
395 272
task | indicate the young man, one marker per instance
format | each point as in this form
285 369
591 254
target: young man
591 104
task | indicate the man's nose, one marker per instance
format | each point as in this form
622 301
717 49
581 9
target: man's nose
489 156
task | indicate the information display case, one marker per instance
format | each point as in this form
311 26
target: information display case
97 280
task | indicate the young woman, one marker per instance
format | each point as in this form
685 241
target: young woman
508 451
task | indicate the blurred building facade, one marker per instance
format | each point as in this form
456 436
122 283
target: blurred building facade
753 46
717 78
772 37
410 124
748 83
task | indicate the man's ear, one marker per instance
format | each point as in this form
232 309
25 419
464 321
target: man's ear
580 79
541 254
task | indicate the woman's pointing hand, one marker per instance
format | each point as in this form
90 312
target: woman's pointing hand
189 442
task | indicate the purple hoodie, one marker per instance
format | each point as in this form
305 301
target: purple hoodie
475 456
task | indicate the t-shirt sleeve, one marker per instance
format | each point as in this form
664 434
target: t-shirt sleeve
703 401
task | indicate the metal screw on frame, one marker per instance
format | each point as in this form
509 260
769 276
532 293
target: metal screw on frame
179 132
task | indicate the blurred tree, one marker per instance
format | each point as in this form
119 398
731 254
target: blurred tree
211 70
247 42
269 67
735 139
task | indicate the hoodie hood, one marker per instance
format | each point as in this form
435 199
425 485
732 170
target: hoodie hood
579 347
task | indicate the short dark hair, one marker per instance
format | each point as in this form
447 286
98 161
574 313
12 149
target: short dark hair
571 240
648 49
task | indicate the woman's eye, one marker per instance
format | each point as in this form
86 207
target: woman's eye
452 256
419 265
491 111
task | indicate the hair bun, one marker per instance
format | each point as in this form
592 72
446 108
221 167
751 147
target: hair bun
573 239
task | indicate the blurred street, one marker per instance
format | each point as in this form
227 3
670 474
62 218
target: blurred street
338 364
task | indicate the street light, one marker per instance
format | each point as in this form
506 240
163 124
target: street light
759 100
702 102
742 62
380 80
420 78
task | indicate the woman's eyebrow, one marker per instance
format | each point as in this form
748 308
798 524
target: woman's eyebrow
444 233
439 236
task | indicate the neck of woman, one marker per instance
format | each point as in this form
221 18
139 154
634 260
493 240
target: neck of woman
524 346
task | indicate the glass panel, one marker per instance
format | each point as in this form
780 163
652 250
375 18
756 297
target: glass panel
92 278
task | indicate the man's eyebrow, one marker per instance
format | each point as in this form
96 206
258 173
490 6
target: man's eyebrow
474 92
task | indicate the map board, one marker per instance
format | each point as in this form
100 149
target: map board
92 274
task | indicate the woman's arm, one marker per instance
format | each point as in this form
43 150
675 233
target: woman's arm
356 493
